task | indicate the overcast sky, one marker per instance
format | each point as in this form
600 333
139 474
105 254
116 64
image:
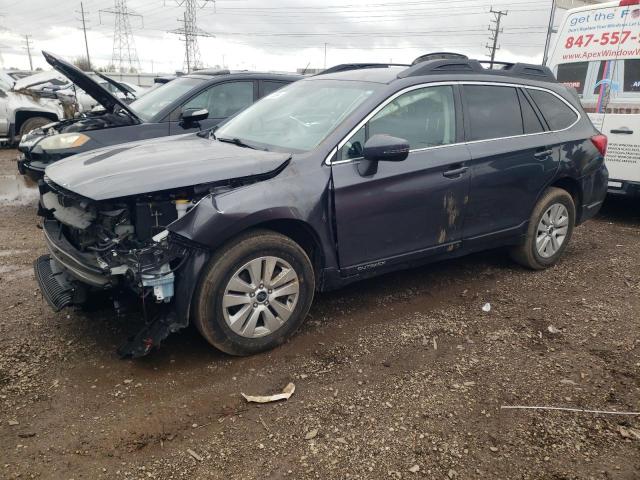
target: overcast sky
275 35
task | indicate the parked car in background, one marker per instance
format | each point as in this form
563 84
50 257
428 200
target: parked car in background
187 104
23 109
597 54
329 180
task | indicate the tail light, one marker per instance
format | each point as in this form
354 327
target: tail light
628 3
600 142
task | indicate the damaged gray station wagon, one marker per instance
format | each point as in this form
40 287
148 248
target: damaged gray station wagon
327 181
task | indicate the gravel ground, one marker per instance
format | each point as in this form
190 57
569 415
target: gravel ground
402 376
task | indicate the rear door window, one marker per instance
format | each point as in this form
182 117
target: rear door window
557 113
492 112
530 118
573 75
269 87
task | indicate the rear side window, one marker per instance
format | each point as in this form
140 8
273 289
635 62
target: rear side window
557 113
530 119
573 75
493 112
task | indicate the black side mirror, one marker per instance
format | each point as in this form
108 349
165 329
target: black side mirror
382 148
192 115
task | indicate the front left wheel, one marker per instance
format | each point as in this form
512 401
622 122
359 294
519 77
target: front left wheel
255 293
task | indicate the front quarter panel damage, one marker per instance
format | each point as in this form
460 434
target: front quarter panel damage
295 195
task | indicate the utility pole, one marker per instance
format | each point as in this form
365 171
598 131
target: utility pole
550 31
84 29
124 55
495 32
325 55
190 32
27 42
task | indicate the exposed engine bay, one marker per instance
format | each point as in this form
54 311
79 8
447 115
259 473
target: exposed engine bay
122 245
125 238
93 120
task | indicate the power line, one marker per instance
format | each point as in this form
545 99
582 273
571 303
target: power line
498 14
124 49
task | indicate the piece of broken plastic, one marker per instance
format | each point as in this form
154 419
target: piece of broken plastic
286 393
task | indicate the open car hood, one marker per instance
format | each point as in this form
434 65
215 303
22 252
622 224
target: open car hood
89 85
159 164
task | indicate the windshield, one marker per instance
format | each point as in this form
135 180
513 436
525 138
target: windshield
298 117
154 101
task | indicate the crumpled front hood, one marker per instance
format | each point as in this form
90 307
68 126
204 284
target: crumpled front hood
159 164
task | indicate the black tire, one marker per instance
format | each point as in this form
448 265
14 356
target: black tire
527 254
208 307
33 123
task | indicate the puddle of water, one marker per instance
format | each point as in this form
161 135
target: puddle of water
11 253
16 190
13 272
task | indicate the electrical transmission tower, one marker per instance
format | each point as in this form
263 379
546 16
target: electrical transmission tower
495 32
190 32
125 57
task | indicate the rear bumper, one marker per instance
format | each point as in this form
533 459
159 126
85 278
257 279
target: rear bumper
624 188
594 191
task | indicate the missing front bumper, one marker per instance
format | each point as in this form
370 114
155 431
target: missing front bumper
55 286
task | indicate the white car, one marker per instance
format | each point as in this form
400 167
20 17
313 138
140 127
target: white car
31 100
22 109
597 53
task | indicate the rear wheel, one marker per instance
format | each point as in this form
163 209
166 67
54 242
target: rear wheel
255 293
33 123
550 229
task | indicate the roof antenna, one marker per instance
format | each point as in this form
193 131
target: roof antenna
305 68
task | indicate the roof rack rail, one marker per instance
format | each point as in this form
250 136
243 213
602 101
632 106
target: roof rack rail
461 66
344 67
439 56
212 71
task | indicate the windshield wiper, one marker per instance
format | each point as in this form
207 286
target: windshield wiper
236 141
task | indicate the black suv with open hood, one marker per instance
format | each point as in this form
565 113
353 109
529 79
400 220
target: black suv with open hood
187 104
327 181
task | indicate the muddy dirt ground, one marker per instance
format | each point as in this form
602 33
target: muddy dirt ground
402 376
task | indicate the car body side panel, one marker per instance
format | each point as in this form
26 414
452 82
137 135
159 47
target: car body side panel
506 182
296 194
404 207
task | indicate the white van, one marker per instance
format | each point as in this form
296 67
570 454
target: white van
598 53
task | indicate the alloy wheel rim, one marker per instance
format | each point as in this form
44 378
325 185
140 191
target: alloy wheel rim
260 297
552 230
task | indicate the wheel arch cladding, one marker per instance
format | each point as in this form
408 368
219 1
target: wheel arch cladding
573 187
211 226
